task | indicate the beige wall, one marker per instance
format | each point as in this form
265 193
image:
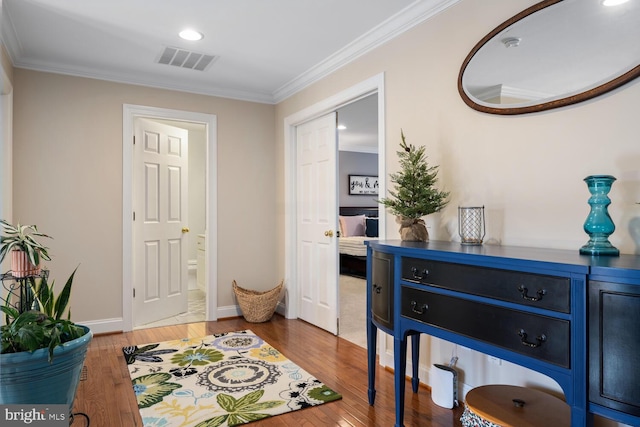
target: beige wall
527 170
68 180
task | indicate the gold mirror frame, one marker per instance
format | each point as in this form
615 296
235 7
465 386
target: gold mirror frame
543 106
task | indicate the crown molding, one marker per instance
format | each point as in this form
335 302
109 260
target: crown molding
414 14
409 17
134 79
526 94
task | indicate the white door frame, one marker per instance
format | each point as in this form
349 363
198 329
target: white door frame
129 113
6 148
354 93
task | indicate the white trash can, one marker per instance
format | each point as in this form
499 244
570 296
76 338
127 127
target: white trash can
444 386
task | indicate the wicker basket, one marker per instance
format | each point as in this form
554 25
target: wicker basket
257 306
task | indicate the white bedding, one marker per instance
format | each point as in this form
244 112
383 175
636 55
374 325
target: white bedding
354 245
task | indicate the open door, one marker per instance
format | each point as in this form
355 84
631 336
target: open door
160 221
317 219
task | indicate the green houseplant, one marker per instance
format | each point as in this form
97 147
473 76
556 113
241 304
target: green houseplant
41 350
35 319
414 195
26 252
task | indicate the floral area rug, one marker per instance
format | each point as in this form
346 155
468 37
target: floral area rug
218 380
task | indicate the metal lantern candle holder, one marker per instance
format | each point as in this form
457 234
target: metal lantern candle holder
471 225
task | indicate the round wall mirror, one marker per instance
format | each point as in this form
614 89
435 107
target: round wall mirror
553 54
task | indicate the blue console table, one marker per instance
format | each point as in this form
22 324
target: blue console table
572 317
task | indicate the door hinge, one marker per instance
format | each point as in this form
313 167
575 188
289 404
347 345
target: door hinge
134 216
134 292
134 140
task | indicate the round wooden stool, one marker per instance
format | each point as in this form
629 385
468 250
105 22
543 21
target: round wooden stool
511 406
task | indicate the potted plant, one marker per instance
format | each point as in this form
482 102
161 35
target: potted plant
41 350
26 252
414 195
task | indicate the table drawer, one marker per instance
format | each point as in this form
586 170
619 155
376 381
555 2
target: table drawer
536 290
545 338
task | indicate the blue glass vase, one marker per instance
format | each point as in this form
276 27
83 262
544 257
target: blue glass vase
599 225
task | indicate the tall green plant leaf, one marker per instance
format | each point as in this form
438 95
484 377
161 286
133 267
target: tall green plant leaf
63 298
46 295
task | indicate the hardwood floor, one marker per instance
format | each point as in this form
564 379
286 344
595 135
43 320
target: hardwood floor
106 396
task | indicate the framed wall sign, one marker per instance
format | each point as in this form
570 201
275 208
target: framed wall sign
363 184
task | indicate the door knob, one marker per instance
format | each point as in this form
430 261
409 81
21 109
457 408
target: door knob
185 229
328 233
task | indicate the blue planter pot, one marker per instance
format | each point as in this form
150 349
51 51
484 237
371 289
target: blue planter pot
29 378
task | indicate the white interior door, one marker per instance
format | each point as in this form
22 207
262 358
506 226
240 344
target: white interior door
160 197
317 218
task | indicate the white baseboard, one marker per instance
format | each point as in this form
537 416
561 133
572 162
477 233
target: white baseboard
104 326
234 311
228 311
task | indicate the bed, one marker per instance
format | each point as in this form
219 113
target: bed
357 225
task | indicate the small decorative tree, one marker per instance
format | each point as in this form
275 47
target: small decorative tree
414 194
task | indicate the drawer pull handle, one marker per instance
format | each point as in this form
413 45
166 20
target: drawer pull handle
523 290
422 310
419 276
523 339
377 289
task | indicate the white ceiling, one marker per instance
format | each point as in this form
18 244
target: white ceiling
265 50
360 119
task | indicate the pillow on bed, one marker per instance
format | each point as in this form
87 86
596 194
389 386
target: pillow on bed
371 227
352 225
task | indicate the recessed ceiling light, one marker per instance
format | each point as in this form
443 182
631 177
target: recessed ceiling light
613 2
191 35
342 127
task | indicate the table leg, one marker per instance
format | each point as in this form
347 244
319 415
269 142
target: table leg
400 367
415 355
372 338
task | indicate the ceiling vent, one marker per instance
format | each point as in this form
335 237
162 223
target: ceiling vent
186 59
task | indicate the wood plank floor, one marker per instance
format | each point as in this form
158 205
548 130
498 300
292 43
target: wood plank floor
106 396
